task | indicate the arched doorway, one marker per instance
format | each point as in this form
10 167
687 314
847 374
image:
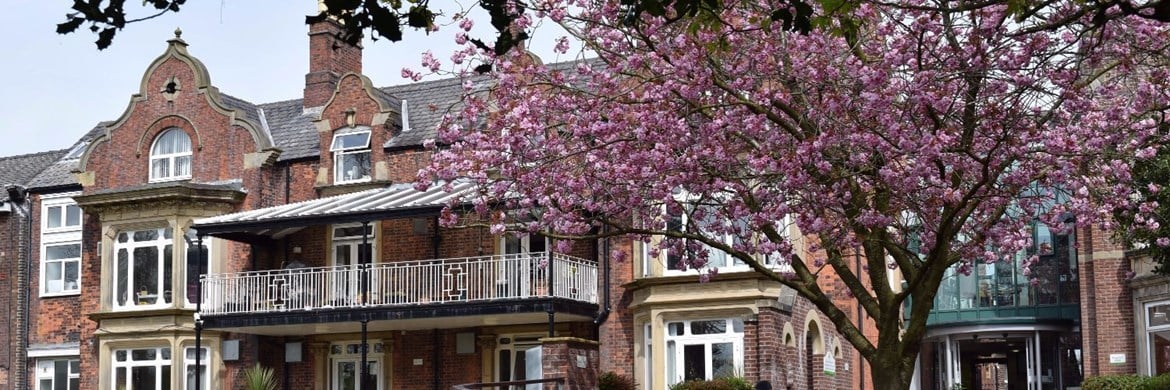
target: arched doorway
812 346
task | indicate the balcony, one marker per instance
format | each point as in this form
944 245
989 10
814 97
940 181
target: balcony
483 285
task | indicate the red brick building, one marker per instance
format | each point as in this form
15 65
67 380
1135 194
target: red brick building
199 234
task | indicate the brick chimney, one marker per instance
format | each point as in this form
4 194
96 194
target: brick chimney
329 58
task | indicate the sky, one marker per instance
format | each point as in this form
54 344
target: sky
57 87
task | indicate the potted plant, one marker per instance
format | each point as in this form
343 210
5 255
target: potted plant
259 378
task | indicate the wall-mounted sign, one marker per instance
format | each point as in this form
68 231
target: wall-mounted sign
1117 358
830 365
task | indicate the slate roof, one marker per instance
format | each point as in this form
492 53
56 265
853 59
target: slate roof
291 126
60 173
18 170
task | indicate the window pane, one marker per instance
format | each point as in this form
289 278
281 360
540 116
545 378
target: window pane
123 277
54 217
146 274
722 360
353 166
709 327
146 235
671 364
61 375
168 273
505 373
53 281
675 328
72 275
1159 315
143 378
182 166
57 252
351 141
1160 349
143 354
46 384
159 168
196 261
72 215
694 362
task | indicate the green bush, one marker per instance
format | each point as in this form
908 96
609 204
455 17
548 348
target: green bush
613 381
1115 382
1160 382
729 383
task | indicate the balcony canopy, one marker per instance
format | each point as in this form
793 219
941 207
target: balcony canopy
396 201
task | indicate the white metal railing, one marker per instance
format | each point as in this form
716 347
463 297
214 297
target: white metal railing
466 279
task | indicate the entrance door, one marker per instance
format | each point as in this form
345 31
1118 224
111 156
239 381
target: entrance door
345 374
519 359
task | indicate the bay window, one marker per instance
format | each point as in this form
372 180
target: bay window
143 268
703 349
1158 337
142 369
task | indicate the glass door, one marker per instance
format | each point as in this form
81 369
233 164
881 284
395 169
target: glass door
345 374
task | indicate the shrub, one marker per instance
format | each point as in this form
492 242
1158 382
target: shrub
259 378
1114 382
1160 382
729 383
613 381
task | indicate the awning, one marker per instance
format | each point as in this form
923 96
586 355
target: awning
396 201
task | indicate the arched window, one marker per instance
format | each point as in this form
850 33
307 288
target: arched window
170 156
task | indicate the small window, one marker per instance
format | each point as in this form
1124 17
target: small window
351 157
62 216
170 157
62 269
58 374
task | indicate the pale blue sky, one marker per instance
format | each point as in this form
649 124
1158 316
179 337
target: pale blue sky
56 87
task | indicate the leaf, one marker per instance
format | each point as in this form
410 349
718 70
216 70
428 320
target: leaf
105 38
70 26
420 16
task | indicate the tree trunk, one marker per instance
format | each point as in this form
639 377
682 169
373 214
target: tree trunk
889 372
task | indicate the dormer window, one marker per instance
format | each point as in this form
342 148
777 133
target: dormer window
170 156
351 156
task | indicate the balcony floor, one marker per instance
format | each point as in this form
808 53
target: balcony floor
445 315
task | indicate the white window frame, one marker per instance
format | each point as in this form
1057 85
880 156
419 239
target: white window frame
134 286
729 263
170 159
1149 334
190 240
64 203
62 235
162 358
340 151
189 364
675 344
46 371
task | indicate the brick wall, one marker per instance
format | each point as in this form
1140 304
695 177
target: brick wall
1107 323
562 357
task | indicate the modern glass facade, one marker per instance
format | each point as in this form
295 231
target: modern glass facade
1044 288
1008 325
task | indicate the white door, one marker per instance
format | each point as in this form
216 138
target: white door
345 374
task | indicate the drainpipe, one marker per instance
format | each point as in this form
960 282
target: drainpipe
18 195
603 314
435 347
199 309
